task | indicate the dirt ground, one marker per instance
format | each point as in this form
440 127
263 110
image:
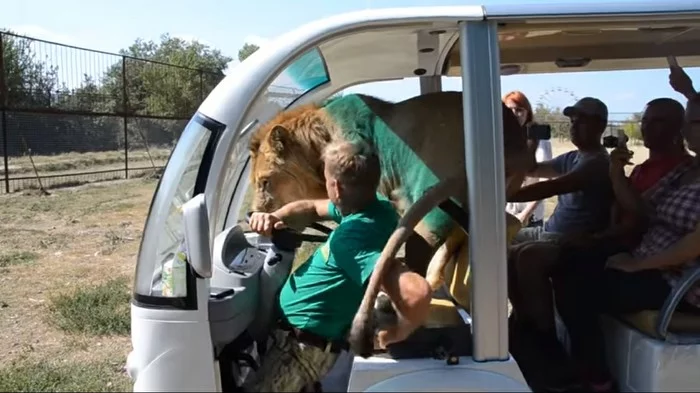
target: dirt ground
75 238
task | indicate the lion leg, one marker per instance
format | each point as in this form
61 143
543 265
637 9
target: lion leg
418 253
435 274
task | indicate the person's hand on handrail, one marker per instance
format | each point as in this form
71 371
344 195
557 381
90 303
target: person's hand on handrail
681 82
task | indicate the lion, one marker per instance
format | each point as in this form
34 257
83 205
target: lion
420 140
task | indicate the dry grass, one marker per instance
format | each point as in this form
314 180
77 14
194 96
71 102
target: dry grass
67 258
80 162
66 264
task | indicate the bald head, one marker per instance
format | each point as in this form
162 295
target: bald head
662 122
671 109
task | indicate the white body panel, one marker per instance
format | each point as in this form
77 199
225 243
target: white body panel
170 355
644 364
378 374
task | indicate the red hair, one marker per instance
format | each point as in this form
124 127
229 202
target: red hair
521 100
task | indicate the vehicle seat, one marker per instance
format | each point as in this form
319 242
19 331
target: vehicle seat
653 351
645 322
444 312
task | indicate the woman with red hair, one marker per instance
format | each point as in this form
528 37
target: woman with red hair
531 214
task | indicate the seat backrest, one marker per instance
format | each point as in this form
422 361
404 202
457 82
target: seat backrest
458 271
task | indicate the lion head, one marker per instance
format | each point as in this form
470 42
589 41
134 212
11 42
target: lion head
286 158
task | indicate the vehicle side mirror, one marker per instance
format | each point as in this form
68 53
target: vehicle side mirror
196 227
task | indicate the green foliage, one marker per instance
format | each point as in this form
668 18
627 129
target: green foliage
247 50
28 78
552 116
632 127
173 82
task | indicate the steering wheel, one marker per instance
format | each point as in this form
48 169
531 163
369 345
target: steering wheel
291 239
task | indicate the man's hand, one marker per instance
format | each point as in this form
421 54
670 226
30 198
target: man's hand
523 217
619 158
681 82
264 223
624 262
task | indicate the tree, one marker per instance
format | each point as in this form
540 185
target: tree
175 87
632 127
30 81
547 112
246 50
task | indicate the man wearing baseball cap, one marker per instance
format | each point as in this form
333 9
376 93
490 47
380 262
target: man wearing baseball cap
579 178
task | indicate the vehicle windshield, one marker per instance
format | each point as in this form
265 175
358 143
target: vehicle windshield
164 232
303 75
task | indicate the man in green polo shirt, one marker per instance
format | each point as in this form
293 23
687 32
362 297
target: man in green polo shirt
319 300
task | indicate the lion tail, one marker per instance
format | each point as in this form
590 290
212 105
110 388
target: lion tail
361 338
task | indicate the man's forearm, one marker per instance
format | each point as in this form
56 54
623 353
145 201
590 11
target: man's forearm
299 213
683 251
627 197
533 192
530 208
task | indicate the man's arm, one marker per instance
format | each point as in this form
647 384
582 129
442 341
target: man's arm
304 212
297 215
570 182
681 252
545 169
626 196
410 294
524 216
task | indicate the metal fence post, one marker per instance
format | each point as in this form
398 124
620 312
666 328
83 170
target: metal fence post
3 103
126 119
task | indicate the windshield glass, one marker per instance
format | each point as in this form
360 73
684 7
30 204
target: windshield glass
164 233
303 75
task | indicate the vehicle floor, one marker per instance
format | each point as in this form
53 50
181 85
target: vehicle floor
543 370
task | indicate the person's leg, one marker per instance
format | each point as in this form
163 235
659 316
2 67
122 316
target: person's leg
534 335
578 285
633 292
527 234
410 295
533 265
617 292
289 366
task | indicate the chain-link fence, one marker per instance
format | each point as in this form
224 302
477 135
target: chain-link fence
72 115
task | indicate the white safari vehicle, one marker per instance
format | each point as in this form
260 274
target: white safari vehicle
196 334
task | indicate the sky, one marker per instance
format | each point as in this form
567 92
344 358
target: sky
110 25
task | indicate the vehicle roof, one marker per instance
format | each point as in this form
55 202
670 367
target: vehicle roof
533 38
394 43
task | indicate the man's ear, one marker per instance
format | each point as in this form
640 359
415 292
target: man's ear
278 138
333 183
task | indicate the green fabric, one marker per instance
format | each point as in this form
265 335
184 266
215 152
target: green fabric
398 160
323 295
